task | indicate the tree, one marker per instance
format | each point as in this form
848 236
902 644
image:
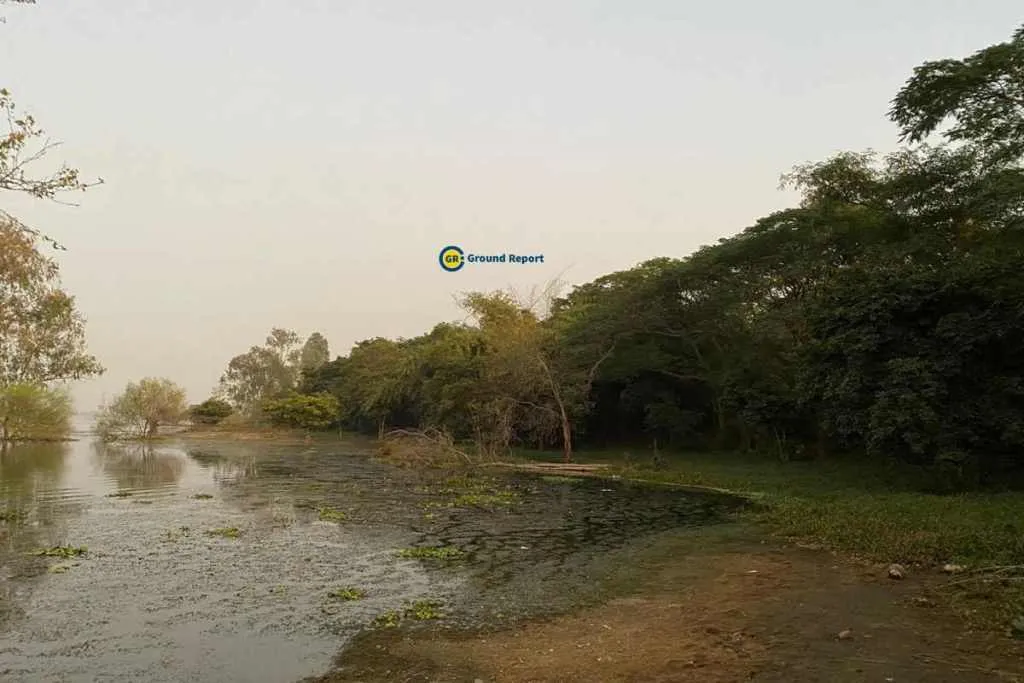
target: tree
31 411
23 145
210 411
317 411
315 353
42 335
141 409
263 372
983 94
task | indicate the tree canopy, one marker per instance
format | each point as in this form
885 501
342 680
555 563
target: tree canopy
879 316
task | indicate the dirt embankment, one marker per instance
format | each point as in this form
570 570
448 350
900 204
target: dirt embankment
713 611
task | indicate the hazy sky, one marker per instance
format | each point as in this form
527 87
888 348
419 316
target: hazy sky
300 164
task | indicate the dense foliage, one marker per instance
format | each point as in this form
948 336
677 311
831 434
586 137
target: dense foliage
303 411
880 316
210 411
32 411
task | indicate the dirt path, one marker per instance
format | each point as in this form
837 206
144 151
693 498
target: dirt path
712 612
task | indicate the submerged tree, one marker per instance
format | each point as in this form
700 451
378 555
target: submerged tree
33 412
141 409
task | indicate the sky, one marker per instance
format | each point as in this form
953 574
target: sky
302 164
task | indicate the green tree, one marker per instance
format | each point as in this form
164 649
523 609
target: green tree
31 411
141 409
315 353
316 412
982 95
210 411
42 335
263 372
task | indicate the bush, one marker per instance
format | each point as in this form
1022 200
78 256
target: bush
29 411
317 411
211 411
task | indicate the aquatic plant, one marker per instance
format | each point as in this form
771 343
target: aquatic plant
328 514
423 610
12 515
60 551
389 619
347 594
225 532
175 534
554 479
436 553
202 496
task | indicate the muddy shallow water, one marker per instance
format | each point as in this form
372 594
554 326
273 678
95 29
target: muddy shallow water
157 598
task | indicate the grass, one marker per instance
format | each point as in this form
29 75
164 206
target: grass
347 594
437 553
866 510
328 514
225 532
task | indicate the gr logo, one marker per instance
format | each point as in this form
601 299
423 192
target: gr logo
452 258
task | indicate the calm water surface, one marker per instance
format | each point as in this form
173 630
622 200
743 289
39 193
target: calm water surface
156 598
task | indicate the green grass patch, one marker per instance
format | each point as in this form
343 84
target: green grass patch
865 509
64 551
328 514
225 532
347 594
432 553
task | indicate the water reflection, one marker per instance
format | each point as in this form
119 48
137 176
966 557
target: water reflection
139 467
226 465
27 469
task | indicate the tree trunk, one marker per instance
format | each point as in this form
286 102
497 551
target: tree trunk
566 435
380 429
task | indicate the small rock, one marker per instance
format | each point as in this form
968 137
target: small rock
845 634
896 571
952 568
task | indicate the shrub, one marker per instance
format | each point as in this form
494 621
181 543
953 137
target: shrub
316 411
210 411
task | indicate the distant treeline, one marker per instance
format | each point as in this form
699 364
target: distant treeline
883 316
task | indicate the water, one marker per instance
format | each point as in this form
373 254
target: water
157 598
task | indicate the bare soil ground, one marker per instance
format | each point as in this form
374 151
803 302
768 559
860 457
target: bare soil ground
727 611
